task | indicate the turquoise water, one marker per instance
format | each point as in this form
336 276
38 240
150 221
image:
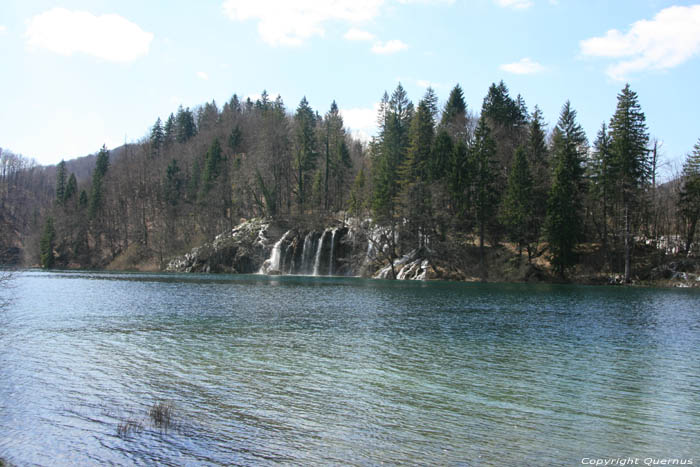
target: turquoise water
306 370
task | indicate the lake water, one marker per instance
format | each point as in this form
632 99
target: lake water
306 370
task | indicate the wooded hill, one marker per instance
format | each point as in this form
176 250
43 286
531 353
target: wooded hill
432 174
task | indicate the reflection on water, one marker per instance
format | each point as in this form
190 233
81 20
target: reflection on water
329 370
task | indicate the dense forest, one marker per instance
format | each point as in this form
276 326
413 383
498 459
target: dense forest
431 178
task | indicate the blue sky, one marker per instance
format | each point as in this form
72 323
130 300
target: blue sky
77 74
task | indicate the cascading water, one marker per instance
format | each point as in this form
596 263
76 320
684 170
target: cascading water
330 262
273 264
317 260
307 253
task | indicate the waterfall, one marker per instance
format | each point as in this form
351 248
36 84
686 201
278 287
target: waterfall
317 260
330 265
273 264
306 253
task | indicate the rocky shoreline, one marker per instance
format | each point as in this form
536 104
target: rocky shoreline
351 248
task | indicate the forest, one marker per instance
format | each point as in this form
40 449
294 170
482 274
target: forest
434 177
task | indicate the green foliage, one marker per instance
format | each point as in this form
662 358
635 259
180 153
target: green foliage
630 161
564 222
235 138
83 200
96 195
172 186
689 195
517 213
441 154
61 182
305 153
185 127
47 244
629 144
213 163
539 164
500 109
71 187
169 130
157 138
455 106
484 193
389 151
415 172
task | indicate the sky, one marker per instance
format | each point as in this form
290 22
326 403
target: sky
78 74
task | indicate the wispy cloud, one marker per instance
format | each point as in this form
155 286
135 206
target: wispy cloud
524 66
358 35
424 83
283 22
361 121
3 29
515 4
668 40
108 37
202 75
389 47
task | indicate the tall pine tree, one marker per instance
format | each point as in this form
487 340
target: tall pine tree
689 196
564 223
630 158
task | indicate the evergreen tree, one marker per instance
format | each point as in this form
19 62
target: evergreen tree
96 195
305 149
602 181
157 138
455 106
83 200
213 163
71 187
47 245
484 194
499 108
689 196
235 138
431 100
538 161
415 172
389 151
454 116
169 131
172 186
630 158
61 182
564 224
441 154
518 203
337 155
185 127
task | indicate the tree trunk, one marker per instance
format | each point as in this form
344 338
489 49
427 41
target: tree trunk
482 260
691 234
628 247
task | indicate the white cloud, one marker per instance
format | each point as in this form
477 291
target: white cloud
516 4
358 35
284 22
202 75
671 38
425 2
389 47
3 29
361 121
109 37
524 66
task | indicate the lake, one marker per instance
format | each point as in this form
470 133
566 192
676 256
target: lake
312 370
